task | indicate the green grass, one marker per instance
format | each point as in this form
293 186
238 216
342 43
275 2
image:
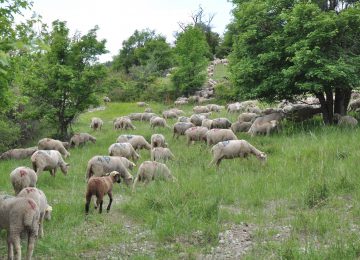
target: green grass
310 183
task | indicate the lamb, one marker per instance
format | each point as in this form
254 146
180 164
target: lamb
20 153
201 109
96 123
19 215
151 170
100 186
179 128
207 123
240 126
234 148
123 149
81 138
100 165
123 122
52 144
40 199
216 135
158 121
158 140
345 120
197 133
161 154
264 128
221 122
48 160
247 117
137 141
23 177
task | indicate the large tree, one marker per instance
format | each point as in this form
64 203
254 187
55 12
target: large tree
65 80
288 48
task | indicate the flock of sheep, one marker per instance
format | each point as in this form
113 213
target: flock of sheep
26 211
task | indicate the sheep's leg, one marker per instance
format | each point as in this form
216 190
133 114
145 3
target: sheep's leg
10 248
87 204
111 199
100 207
31 245
41 231
17 245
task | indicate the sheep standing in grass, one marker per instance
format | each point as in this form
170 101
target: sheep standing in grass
100 165
264 128
100 186
184 119
197 119
216 135
197 133
158 121
23 177
81 138
125 150
40 199
18 215
158 140
169 114
137 141
151 170
96 123
234 148
207 123
161 154
201 109
48 160
179 128
345 120
240 126
20 153
247 117
147 116
52 144
123 122
222 122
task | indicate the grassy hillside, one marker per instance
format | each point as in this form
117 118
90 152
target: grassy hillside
303 203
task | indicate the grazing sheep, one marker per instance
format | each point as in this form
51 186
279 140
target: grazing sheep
52 144
40 199
106 100
96 123
254 110
234 107
23 177
345 120
180 102
17 154
240 126
137 141
221 122
142 104
354 104
100 186
183 119
18 215
207 123
278 116
179 128
125 150
247 117
264 128
147 116
127 163
158 121
215 108
158 140
271 110
48 160
123 122
197 119
161 154
169 114
216 135
201 109
135 116
197 133
81 138
151 170
148 110
234 148
100 165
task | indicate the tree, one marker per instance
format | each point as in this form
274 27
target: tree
64 81
288 48
191 53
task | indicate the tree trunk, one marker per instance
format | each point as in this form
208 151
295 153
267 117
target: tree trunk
327 106
342 99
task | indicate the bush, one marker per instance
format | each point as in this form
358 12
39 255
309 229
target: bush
224 91
9 134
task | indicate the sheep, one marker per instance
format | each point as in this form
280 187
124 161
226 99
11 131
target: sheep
201 109
81 138
278 116
19 215
197 133
100 165
216 135
40 199
106 100
240 126
207 123
158 121
20 153
158 140
354 104
221 122
142 104
123 149
179 128
135 116
100 186
215 108
151 170
247 117
264 128
23 177
197 119
345 120
123 122
137 141
148 110
180 102
255 110
234 107
127 163
161 153
52 144
48 160
183 119
96 123
169 114
147 116
232 149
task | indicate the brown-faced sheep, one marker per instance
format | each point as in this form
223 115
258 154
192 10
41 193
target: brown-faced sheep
161 154
52 144
345 120
100 186
137 141
240 126
216 135
40 199
158 121
81 138
263 128
20 153
234 148
179 128
125 150
23 177
96 123
48 160
18 215
197 133
158 140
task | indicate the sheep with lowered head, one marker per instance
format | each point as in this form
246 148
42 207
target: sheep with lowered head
179 128
23 177
240 126
123 122
137 141
100 186
234 148
247 117
158 140
18 215
264 128
81 138
161 154
221 122
207 123
197 133
216 135
20 153
345 120
52 144
48 160
125 150
158 121
96 123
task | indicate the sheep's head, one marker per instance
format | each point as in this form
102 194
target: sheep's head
48 212
116 176
262 157
127 177
93 139
64 168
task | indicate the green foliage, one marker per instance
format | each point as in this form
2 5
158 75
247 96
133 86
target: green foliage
316 194
9 134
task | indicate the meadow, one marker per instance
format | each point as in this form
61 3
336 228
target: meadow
302 204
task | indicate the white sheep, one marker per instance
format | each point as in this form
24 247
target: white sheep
20 153
221 122
137 141
216 135
179 128
161 154
201 109
345 120
240 126
96 123
158 140
23 177
125 150
158 121
197 133
123 122
81 138
52 144
263 128
48 160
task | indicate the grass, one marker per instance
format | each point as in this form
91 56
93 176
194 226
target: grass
310 183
